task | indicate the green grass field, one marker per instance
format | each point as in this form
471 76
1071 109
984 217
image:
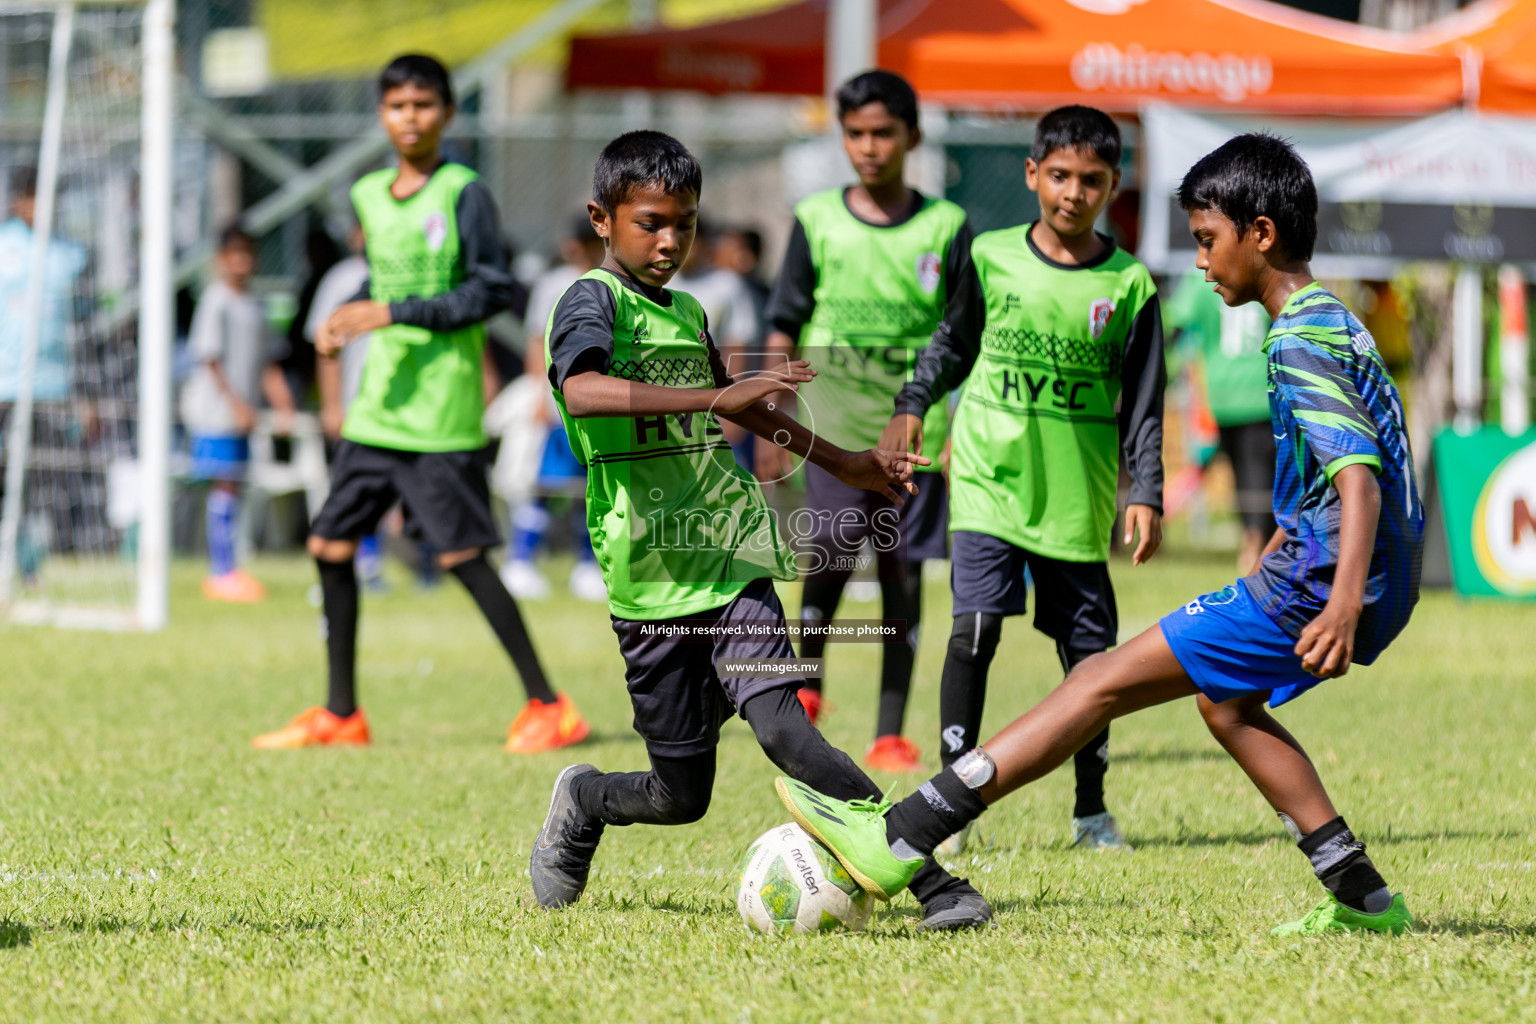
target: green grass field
156 868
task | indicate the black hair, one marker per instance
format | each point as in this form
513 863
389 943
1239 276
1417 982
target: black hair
1252 176
1078 128
24 181
639 159
878 86
233 234
417 69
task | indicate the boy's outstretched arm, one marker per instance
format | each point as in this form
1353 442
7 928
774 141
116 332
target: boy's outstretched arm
1143 376
1327 643
887 472
949 356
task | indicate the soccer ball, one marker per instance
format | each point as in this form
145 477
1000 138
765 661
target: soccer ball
791 883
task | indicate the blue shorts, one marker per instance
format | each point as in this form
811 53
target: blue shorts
559 467
224 459
1230 648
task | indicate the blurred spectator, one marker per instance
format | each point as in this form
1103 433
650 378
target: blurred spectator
237 357
536 454
58 423
740 250
320 254
338 378
735 319
1228 347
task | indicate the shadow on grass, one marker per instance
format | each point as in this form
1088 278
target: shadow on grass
1176 755
1260 837
114 924
13 934
1474 926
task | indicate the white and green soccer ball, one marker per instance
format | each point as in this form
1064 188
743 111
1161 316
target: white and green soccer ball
791 883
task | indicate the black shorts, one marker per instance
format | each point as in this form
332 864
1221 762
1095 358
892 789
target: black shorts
1250 447
1074 601
680 701
446 497
837 518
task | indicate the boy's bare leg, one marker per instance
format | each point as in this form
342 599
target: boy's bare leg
1271 757
1138 674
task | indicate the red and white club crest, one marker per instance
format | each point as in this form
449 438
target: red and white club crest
929 271
1099 313
435 230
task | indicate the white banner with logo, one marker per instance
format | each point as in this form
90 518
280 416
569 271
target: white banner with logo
1458 185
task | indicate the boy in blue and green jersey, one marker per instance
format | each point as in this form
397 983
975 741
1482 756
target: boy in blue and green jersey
865 281
688 547
1336 583
1057 336
437 272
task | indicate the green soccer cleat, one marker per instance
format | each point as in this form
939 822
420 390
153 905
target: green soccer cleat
1333 916
854 830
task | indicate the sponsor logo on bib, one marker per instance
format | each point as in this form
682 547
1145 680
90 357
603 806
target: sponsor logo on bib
929 269
435 230
1099 312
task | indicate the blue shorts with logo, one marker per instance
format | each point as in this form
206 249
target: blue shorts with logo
1230 648
223 459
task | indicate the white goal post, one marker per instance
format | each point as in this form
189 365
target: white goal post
85 369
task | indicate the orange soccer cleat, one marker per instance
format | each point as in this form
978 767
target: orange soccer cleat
236 587
317 727
893 754
811 700
540 726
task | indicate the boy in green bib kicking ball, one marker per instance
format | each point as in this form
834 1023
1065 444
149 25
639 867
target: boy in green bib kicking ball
1335 585
1057 336
437 272
688 547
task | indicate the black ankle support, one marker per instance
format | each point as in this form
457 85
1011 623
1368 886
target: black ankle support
941 807
1339 861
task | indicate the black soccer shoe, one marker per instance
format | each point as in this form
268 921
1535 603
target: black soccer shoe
956 909
562 854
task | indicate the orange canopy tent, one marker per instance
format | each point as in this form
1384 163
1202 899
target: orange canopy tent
1031 54
1499 38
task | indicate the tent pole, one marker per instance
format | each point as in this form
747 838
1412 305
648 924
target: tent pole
851 41
1514 353
1467 348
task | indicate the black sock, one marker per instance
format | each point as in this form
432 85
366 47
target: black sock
1340 863
1091 763
338 596
818 603
500 610
963 686
803 753
941 807
902 600
675 791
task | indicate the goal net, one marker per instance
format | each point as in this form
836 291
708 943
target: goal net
81 439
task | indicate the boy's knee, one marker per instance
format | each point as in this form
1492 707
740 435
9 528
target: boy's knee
327 550
450 560
1229 714
974 635
682 806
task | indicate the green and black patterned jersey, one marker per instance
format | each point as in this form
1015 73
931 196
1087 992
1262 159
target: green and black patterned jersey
862 300
436 259
1063 373
678 527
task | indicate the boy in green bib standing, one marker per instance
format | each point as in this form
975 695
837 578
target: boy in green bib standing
864 283
437 272
1057 335
688 547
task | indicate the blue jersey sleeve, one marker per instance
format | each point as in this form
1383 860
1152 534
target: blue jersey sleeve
1319 389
